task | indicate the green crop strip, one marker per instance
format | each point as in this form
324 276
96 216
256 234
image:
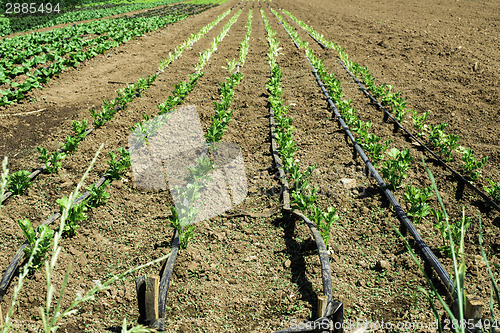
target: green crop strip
182 90
19 182
444 143
303 197
65 47
394 169
222 111
18 24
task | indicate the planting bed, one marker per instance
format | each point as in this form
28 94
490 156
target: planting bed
256 268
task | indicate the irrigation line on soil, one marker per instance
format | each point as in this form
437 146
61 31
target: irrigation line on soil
35 173
19 256
15 262
387 114
334 310
422 246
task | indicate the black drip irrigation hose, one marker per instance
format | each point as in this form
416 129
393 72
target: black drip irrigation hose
387 115
422 246
19 256
434 155
334 310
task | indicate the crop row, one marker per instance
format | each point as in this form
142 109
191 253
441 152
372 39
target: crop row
20 180
394 169
40 239
110 34
445 144
32 22
303 198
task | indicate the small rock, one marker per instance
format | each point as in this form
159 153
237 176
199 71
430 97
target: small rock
348 183
382 265
287 263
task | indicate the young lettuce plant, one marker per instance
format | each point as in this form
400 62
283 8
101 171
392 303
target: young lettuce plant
76 213
52 162
19 182
395 169
43 235
493 191
97 194
118 167
472 166
419 122
418 199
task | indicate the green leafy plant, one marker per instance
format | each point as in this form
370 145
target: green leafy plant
471 165
97 194
395 169
419 122
71 144
418 199
324 220
446 143
186 233
19 181
44 235
494 191
118 167
450 232
80 128
52 162
76 213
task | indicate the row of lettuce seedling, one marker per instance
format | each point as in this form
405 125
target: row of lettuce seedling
116 32
303 195
118 166
148 128
19 181
444 143
453 233
222 109
395 168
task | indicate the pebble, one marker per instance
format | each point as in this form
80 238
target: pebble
382 265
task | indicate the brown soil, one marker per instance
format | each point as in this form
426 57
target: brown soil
256 274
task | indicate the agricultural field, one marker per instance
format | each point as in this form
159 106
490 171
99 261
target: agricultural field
363 140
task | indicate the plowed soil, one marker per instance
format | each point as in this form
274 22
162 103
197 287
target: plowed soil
243 273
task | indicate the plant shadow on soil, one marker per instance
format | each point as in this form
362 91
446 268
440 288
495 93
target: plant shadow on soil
296 252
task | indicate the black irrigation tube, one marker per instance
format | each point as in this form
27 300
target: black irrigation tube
167 271
19 256
425 250
387 115
35 173
334 310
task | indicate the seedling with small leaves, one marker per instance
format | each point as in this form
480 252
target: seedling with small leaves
395 169
418 199
97 194
52 162
118 166
76 213
44 235
494 191
472 166
19 181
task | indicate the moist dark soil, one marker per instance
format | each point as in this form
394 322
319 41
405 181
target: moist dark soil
243 273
